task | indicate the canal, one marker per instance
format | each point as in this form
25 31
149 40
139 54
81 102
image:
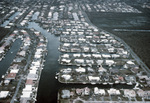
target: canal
10 55
9 19
35 16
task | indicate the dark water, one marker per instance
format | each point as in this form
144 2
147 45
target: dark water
9 19
48 84
5 63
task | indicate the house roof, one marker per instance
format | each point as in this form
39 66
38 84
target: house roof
11 75
29 82
3 94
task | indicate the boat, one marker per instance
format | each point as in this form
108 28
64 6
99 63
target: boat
129 83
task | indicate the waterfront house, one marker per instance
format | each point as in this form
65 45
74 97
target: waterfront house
6 82
86 91
140 93
1 50
109 62
65 94
129 93
80 70
14 71
79 91
4 94
66 77
93 78
11 76
29 82
101 69
96 90
66 71
113 91
96 55
80 61
99 91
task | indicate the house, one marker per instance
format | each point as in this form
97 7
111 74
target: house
1 50
66 76
29 82
81 61
11 76
68 70
28 88
89 61
99 91
76 55
140 93
14 71
101 69
99 62
129 93
113 91
80 70
102 92
22 53
6 82
79 91
32 76
96 90
65 94
109 62
96 55
86 91
92 78
4 94
86 55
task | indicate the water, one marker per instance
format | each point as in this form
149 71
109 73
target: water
48 84
35 16
9 19
5 63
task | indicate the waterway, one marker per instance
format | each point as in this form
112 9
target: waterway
6 62
9 19
35 16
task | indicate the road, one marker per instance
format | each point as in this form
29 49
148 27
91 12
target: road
17 89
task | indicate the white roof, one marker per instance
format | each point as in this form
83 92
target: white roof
26 95
14 70
37 56
66 77
110 62
28 88
76 55
79 60
36 63
86 55
65 55
66 44
106 55
33 67
93 78
32 71
80 70
96 55
130 62
3 94
32 76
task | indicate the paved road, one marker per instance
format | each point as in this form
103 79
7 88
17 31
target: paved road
17 89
